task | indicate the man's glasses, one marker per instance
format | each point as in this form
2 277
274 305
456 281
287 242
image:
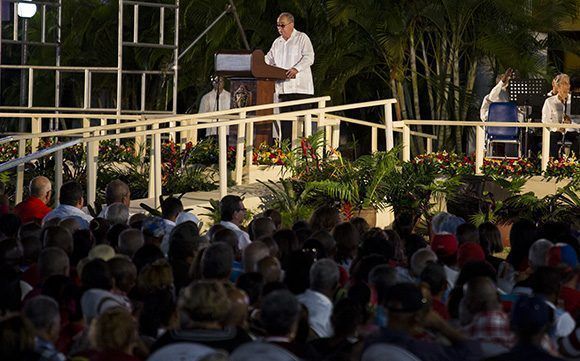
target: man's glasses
281 26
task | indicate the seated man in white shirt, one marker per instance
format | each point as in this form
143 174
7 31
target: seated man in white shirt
324 276
499 93
557 109
292 51
211 102
232 213
71 204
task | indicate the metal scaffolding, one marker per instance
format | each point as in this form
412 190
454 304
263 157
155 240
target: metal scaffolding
27 86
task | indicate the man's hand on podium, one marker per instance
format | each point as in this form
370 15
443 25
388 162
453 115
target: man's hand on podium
291 74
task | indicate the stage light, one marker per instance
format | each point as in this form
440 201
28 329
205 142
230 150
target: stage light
26 10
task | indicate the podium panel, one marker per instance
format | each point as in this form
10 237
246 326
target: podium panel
252 82
250 91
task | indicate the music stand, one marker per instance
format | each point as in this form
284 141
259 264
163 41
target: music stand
526 93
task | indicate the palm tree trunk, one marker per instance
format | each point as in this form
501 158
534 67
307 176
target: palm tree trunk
471 75
428 79
415 85
456 102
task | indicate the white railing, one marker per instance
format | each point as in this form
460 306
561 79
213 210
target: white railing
153 126
480 136
139 127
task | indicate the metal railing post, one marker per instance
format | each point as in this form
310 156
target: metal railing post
155 185
336 134
308 125
58 172
20 172
241 139
35 128
406 143
389 126
30 87
295 132
374 139
223 160
545 148
249 148
479 148
92 159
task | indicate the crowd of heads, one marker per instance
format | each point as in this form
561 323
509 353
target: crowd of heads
124 286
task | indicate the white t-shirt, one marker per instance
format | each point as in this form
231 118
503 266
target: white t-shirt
497 94
208 104
296 52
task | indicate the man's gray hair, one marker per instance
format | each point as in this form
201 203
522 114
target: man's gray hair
53 261
42 311
117 213
324 275
538 251
288 16
130 240
419 260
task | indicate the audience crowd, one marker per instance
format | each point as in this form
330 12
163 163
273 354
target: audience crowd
126 287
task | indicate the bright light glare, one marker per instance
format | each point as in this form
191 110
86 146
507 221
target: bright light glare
26 10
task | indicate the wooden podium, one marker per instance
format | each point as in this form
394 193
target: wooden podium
251 83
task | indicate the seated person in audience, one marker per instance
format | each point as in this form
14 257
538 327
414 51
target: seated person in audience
116 336
43 314
499 93
345 344
488 323
117 191
203 307
279 315
491 242
530 320
216 262
557 109
434 276
233 212
170 209
318 298
546 283
408 313
564 258
34 208
71 204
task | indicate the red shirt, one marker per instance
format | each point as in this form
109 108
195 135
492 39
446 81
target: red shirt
571 298
32 209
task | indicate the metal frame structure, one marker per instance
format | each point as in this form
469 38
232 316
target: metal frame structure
46 6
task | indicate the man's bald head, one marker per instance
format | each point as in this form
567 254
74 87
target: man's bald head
40 187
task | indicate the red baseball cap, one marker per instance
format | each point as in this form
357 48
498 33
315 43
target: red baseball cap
469 252
444 245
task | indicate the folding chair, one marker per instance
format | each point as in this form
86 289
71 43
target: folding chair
502 112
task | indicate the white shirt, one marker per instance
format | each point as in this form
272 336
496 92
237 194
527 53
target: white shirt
296 52
497 94
169 225
243 237
64 211
553 111
208 104
563 324
319 312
